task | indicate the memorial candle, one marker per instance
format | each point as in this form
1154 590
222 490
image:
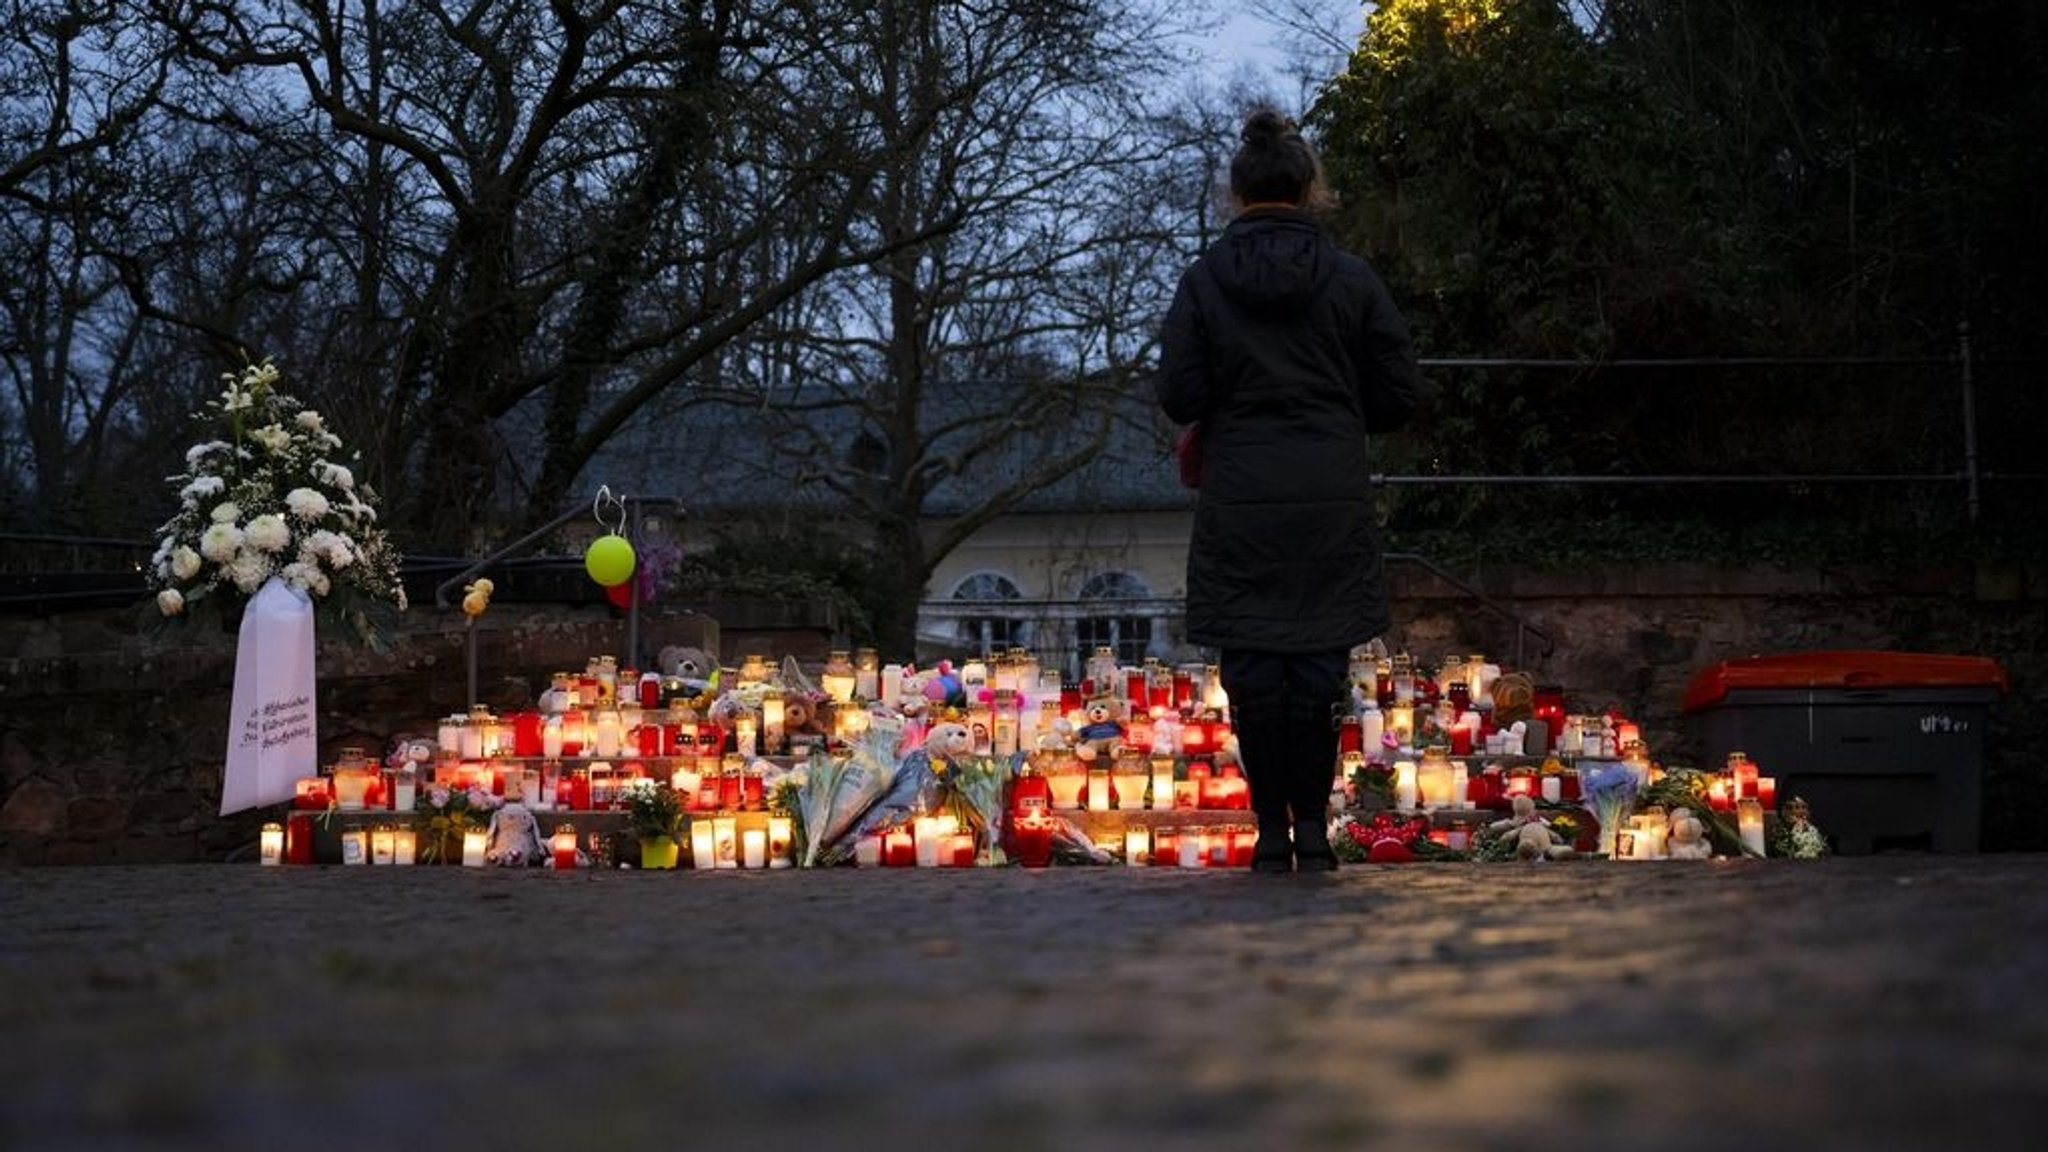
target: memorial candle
1767 792
473 842
703 846
1749 823
563 846
270 846
959 850
725 841
1098 789
899 847
1162 782
754 848
1137 845
405 843
778 842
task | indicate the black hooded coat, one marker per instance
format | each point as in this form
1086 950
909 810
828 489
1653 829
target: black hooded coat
1289 351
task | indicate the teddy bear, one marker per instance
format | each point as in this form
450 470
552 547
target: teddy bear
694 667
514 837
1532 835
1101 730
1687 839
948 741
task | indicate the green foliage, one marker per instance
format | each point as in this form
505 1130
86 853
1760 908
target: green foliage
807 567
1701 179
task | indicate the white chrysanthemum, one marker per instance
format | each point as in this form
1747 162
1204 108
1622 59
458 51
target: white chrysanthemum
220 542
170 602
198 452
307 577
269 533
184 563
335 476
201 488
306 504
336 550
249 570
273 438
227 512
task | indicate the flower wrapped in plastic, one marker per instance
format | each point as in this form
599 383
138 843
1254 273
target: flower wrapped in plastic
838 793
917 785
266 497
1609 790
978 789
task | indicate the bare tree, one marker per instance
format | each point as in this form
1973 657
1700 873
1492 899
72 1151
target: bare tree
1028 232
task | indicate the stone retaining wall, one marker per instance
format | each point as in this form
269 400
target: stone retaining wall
111 744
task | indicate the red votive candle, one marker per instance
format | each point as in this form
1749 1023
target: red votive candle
899 849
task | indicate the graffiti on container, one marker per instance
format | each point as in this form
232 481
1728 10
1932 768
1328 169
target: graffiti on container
1936 723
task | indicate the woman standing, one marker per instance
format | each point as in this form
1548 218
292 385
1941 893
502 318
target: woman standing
1289 351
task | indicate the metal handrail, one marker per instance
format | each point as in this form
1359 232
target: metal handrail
1523 628
634 505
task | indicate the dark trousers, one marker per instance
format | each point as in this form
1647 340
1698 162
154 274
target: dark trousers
1283 708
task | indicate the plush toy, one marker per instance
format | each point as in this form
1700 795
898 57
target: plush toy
1533 837
1535 841
1101 730
514 838
1688 837
693 666
1514 698
948 742
476 596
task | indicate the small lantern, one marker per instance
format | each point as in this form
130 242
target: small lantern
1162 783
1137 846
725 841
925 830
838 677
779 842
1749 822
867 674
473 843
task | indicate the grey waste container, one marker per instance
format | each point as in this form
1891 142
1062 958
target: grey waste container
1887 747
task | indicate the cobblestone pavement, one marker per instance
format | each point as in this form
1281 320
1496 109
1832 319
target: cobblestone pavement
1859 1004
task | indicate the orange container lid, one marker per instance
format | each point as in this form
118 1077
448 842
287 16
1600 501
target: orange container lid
1842 669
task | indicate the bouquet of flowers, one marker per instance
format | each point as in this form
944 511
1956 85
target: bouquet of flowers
267 498
445 814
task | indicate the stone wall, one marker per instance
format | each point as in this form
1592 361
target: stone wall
111 744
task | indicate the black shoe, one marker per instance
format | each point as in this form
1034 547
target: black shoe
1273 854
1312 851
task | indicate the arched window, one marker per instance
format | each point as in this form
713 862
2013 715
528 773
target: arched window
994 630
1110 617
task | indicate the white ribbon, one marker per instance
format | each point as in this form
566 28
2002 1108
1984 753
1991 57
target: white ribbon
271 737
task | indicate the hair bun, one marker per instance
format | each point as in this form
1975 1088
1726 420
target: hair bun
1266 125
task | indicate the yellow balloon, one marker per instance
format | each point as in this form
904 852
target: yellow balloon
609 560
